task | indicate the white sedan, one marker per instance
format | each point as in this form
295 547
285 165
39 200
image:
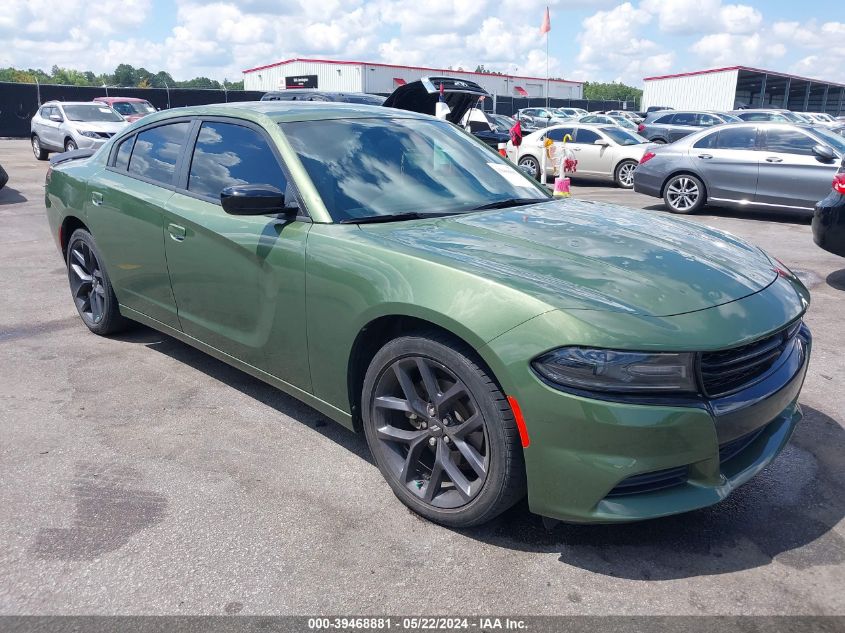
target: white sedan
606 152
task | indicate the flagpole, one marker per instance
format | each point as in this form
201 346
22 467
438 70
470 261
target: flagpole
547 69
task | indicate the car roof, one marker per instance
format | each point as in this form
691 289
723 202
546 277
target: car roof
67 103
113 99
282 111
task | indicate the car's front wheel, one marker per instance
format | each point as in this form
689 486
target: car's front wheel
40 152
684 193
90 286
624 175
441 431
530 165
70 145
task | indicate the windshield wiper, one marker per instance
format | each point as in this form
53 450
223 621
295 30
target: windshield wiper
393 217
510 202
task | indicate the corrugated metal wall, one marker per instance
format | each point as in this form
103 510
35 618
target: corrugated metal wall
706 91
382 79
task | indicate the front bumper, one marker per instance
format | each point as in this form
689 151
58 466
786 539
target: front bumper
595 461
86 142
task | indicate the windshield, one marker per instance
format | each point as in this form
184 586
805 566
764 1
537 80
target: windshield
368 167
791 116
729 118
502 122
92 112
364 99
834 140
623 137
129 108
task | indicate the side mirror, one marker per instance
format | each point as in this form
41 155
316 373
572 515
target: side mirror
825 153
601 141
255 200
57 118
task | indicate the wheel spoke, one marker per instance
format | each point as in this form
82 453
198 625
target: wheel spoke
407 386
451 394
454 473
392 434
474 423
80 257
472 456
409 470
429 380
392 403
83 276
436 479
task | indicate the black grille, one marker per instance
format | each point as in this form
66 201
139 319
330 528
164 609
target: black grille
727 370
733 448
649 482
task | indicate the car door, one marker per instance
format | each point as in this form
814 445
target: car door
683 123
124 206
593 160
790 173
727 161
48 130
239 281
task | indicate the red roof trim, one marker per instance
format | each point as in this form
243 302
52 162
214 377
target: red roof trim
748 68
522 92
381 65
399 81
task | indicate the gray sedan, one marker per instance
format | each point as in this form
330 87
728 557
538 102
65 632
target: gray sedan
762 164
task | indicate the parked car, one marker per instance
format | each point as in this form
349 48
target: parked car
628 114
607 119
829 217
129 108
537 118
772 165
821 118
4 177
490 128
422 96
839 129
669 126
570 113
305 94
405 281
605 152
777 115
651 109
65 126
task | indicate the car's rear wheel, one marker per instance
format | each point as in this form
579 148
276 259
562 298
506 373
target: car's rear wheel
684 193
624 175
659 141
530 165
40 152
90 286
70 145
441 431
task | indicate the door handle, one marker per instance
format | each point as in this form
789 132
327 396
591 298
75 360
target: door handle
575 149
96 198
705 156
177 232
774 159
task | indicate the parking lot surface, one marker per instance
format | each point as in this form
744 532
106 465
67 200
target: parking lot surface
140 476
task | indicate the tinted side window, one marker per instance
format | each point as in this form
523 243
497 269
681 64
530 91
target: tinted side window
156 151
706 120
707 142
124 151
737 138
226 155
584 135
684 118
558 134
666 118
755 116
789 142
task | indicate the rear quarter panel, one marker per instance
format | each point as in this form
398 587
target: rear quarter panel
65 194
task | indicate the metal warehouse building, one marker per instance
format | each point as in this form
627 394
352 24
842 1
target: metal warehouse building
348 76
739 86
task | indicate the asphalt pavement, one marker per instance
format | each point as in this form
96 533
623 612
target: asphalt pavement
140 476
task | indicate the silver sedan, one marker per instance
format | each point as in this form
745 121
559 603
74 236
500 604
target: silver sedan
769 165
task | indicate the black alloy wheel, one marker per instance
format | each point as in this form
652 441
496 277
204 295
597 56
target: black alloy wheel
441 432
90 286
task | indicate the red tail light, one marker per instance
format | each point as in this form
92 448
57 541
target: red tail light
647 157
641 127
839 183
49 174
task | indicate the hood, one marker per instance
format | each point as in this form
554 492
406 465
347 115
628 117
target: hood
573 254
422 96
100 126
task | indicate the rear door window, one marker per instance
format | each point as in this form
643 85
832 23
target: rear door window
583 135
227 154
706 120
558 134
666 118
685 118
790 142
737 138
707 142
157 150
124 151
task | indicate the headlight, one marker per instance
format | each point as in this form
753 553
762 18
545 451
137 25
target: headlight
89 134
617 371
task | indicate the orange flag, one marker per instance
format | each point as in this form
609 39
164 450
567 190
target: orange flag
547 23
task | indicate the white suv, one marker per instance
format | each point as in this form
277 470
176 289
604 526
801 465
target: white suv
65 126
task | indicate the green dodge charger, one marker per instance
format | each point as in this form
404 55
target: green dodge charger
392 272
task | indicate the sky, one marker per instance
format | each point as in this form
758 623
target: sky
595 40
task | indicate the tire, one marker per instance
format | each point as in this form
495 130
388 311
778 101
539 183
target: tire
40 152
684 193
659 141
527 162
90 287
4 177
70 145
624 174
466 433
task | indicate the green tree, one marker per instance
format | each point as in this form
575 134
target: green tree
125 75
611 91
